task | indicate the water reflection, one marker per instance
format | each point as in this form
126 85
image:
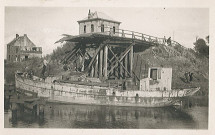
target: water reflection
82 116
87 116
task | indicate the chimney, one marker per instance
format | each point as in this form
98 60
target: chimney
17 36
89 14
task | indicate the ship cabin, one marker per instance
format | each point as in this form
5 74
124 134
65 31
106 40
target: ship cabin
158 79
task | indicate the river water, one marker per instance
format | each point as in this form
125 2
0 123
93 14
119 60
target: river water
193 114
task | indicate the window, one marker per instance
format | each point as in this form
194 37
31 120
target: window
34 49
26 57
114 30
102 28
9 58
84 28
92 28
153 74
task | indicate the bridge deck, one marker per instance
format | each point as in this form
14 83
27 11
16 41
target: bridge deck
118 36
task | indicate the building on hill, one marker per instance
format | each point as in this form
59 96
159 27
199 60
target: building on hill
98 22
22 48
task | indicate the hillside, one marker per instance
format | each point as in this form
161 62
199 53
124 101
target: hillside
180 59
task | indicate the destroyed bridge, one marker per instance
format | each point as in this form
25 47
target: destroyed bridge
108 49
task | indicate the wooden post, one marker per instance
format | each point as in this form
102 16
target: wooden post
131 60
118 70
100 63
123 35
140 68
121 69
96 66
115 73
126 65
119 62
82 63
105 61
120 58
92 71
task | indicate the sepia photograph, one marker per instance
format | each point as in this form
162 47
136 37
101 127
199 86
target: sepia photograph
106 67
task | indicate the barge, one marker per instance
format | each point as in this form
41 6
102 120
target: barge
154 91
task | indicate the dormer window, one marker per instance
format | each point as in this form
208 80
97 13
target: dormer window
92 28
114 30
102 28
84 28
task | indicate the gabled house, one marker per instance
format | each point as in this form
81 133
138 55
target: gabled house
22 48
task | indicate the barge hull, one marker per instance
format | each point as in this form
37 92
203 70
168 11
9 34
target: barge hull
95 95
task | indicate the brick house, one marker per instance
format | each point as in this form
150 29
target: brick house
22 48
98 22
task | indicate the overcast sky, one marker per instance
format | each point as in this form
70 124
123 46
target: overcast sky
45 25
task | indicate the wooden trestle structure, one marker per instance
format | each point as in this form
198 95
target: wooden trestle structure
109 57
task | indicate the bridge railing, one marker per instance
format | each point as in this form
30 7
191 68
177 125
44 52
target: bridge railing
137 35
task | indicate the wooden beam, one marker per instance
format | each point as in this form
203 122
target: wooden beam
112 59
121 70
141 69
120 42
100 63
105 61
119 61
71 54
131 56
94 57
114 45
126 65
92 71
120 58
96 65
88 55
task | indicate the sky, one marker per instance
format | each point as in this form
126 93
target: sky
45 25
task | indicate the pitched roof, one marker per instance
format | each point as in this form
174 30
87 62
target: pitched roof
98 15
19 41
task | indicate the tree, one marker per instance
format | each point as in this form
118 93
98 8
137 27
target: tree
201 47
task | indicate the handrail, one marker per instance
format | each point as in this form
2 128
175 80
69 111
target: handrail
138 35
